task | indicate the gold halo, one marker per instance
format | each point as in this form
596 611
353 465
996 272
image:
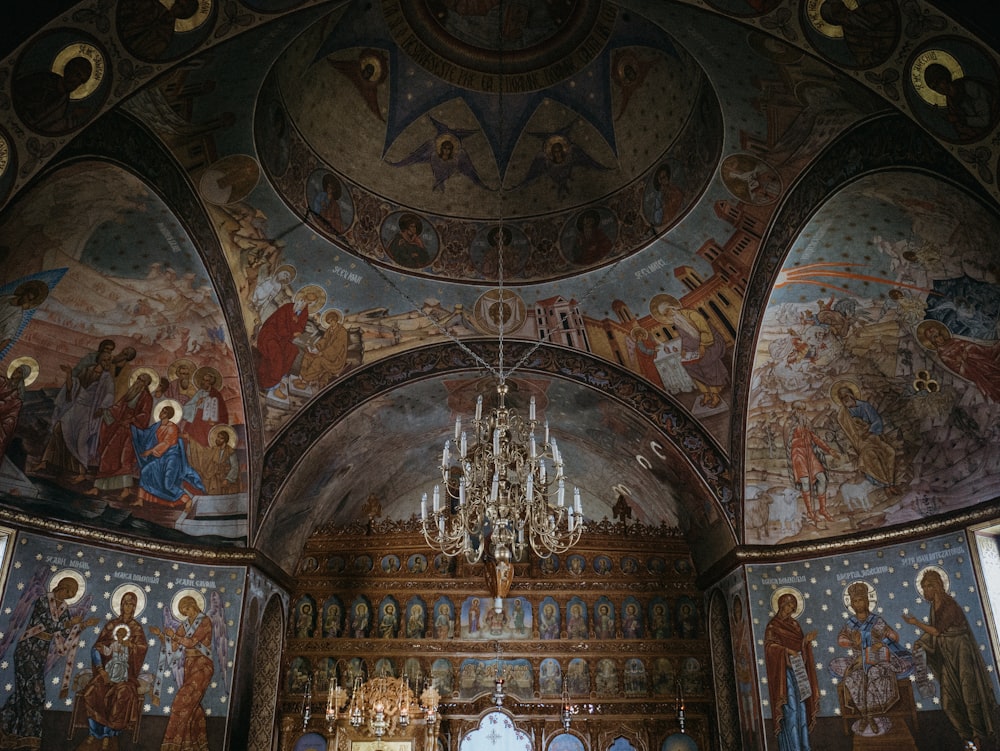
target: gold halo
70 573
120 591
320 302
292 271
31 362
180 595
659 300
446 137
200 372
178 410
128 631
940 572
638 332
332 317
91 54
215 430
816 20
924 326
552 141
918 81
872 595
154 377
849 385
172 370
192 22
800 604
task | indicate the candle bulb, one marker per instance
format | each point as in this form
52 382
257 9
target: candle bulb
531 409
423 507
496 441
576 501
546 431
458 428
479 408
437 499
464 445
446 455
461 492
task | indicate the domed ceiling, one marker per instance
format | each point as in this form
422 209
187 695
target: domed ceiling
713 240
411 125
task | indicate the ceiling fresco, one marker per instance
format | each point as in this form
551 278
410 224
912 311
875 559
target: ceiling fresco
879 349
687 222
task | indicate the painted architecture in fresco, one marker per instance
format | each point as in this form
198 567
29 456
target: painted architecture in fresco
743 252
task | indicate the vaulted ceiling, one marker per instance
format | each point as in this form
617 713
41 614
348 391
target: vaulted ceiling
717 217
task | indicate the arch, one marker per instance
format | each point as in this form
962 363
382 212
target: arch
265 679
496 731
726 707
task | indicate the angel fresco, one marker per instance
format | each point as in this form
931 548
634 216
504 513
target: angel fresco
190 638
558 158
445 155
46 625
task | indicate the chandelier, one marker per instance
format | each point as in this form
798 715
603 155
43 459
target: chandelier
502 491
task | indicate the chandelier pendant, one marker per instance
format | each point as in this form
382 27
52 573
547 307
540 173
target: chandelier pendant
502 492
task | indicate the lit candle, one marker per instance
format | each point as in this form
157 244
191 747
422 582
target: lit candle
531 409
437 499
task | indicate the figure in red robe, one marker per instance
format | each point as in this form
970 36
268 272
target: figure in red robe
276 344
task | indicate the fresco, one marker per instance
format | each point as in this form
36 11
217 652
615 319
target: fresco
164 635
408 420
887 645
676 310
875 394
118 382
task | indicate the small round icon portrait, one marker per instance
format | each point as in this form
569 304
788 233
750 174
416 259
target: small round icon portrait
390 564
576 564
656 565
330 204
852 34
589 237
409 240
663 199
485 251
416 563
955 90
363 564
8 165
549 564
602 565
60 82
155 31
335 564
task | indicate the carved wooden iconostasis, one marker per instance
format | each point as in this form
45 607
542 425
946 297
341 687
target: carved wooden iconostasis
617 623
